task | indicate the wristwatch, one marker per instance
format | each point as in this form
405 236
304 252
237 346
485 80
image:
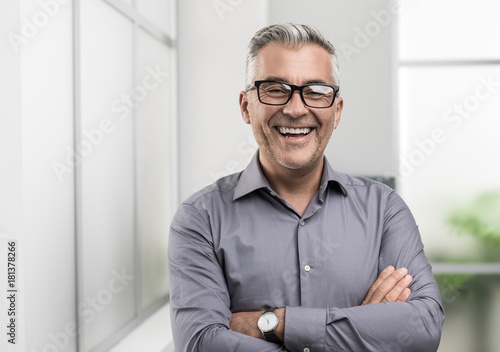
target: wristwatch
267 323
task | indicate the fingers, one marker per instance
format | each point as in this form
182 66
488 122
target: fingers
390 286
401 286
381 278
403 297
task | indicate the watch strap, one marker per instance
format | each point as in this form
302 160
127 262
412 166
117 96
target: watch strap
271 337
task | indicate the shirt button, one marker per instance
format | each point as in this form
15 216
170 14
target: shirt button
307 268
306 349
302 222
273 194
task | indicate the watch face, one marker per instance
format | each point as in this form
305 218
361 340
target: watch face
268 322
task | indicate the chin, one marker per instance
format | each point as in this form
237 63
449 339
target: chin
296 164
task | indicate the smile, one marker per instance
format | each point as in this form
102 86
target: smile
293 132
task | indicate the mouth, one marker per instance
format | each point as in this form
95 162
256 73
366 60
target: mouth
292 133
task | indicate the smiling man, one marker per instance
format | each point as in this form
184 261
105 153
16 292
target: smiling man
290 255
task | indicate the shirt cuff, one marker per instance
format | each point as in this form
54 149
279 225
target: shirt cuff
305 329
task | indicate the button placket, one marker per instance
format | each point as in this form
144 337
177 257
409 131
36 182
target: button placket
306 259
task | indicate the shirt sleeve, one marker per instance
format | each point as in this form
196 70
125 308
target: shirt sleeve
411 326
199 296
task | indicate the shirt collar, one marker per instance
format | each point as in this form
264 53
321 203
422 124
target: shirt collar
330 176
252 178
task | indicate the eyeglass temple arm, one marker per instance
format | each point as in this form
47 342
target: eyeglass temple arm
252 86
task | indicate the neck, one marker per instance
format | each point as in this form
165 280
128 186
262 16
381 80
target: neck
296 186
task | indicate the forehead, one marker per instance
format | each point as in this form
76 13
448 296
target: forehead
294 65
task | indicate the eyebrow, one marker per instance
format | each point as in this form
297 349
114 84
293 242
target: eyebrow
274 78
311 81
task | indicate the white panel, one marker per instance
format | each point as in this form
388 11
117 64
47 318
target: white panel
449 29
449 147
157 11
11 215
47 246
153 164
107 204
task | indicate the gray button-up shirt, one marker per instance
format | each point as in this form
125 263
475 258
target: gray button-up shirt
238 246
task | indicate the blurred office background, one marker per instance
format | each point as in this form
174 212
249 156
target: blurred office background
113 111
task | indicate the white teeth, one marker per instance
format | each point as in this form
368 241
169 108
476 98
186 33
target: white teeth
285 130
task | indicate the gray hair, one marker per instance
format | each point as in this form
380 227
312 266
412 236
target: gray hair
292 36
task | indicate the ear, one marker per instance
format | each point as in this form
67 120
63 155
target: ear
340 105
244 107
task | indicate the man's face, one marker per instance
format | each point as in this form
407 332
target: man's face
309 64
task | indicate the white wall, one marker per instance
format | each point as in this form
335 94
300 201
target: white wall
47 243
11 167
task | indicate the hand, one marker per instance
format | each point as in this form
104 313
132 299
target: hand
246 323
390 286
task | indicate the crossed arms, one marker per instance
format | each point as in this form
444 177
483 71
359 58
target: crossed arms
390 286
202 319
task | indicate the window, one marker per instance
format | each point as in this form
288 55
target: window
449 98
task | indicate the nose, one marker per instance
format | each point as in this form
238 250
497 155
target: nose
295 106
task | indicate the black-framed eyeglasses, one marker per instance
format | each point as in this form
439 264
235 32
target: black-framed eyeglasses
314 95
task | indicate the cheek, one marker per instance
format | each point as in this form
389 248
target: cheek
254 113
327 121
260 114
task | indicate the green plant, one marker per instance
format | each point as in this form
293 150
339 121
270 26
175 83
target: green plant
480 218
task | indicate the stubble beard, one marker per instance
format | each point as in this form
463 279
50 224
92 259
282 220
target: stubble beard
278 155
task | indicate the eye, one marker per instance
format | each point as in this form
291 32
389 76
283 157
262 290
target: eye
274 89
314 93
317 92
